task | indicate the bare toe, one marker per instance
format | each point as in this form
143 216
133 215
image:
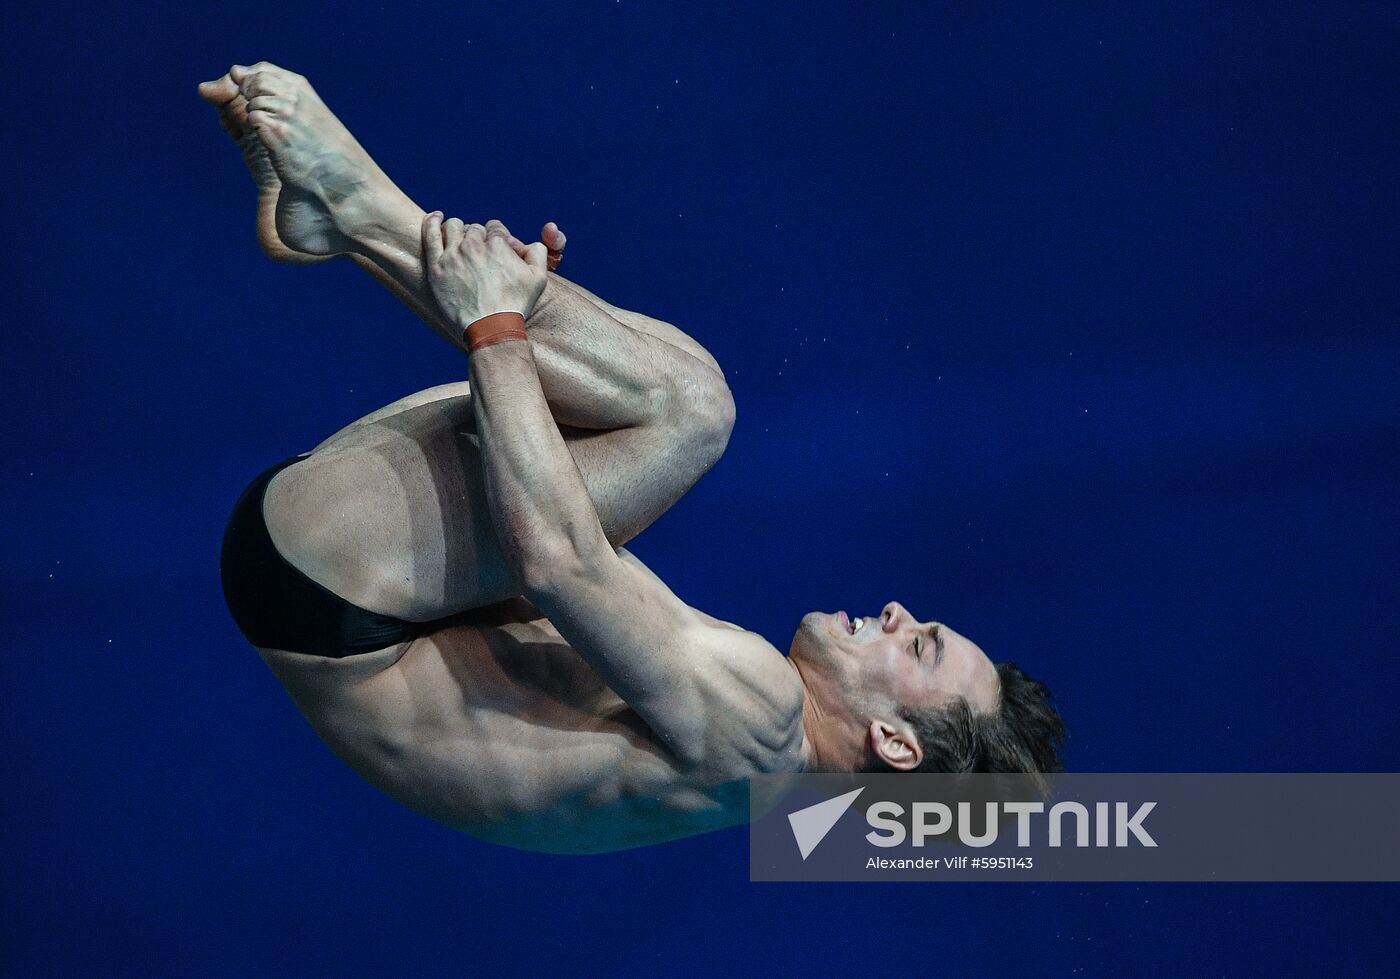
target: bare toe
224 96
219 91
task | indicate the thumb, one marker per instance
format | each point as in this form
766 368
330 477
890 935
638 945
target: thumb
432 238
537 256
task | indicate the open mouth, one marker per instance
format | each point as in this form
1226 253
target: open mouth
850 625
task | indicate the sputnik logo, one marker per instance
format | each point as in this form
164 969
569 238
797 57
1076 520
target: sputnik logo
810 825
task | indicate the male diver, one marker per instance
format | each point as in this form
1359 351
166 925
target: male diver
441 585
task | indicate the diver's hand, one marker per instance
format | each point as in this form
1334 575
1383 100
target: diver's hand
473 270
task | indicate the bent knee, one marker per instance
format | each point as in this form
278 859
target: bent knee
704 413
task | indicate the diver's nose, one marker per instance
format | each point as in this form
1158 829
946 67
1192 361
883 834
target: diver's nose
889 617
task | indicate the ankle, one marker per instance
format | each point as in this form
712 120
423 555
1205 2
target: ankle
377 222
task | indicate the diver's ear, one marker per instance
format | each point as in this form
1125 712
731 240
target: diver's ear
895 746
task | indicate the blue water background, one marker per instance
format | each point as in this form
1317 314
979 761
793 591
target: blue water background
1073 328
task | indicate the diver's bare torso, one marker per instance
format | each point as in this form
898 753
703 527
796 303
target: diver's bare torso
494 725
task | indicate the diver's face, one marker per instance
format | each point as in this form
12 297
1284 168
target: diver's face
892 659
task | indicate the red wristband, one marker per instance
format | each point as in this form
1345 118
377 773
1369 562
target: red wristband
496 328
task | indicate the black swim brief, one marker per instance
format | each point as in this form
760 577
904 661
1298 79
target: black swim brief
277 606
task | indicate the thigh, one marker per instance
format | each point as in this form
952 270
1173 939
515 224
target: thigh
390 513
441 392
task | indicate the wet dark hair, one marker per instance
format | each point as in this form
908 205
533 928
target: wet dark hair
1023 735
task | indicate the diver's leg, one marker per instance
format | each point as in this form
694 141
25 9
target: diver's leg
393 516
389 513
336 200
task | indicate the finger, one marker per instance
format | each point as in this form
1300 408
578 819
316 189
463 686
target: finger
553 238
452 233
555 241
501 246
537 256
432 237
495 229
476 232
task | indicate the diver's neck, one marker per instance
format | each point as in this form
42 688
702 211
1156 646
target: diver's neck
827 744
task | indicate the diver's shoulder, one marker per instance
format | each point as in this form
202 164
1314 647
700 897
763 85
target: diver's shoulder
754 702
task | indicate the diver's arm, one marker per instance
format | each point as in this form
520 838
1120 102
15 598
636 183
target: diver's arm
642 640
539 505
712 695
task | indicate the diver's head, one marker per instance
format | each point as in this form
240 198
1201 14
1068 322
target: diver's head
891 693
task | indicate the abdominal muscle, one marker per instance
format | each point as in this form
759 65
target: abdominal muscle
503 731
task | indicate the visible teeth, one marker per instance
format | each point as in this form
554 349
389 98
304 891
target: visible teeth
856 623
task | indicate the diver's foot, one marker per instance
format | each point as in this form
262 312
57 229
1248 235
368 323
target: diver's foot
330 185
232 107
